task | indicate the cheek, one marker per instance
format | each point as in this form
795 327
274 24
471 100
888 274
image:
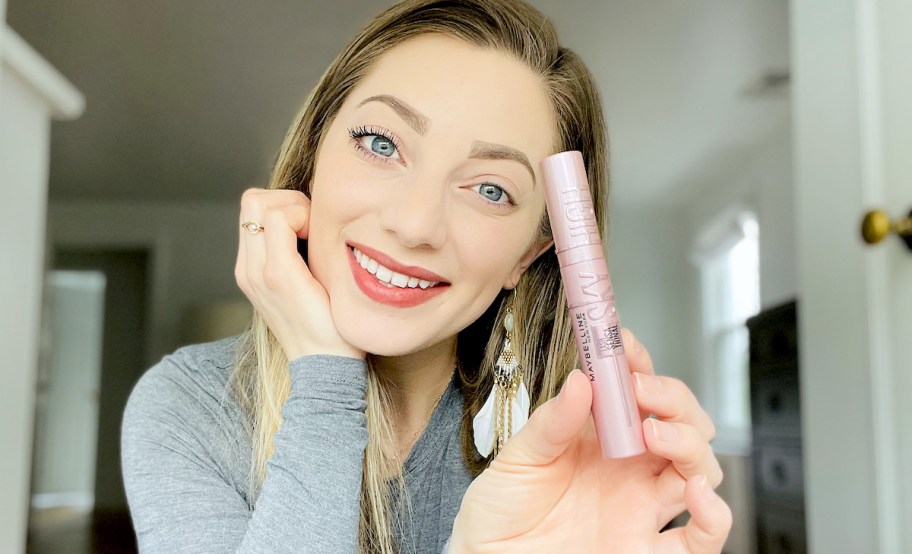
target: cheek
490 252
327 217
337 194
343 187
338 204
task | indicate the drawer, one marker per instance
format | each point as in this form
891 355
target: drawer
774 369
776 406
781 532
773 344
780 477
774 334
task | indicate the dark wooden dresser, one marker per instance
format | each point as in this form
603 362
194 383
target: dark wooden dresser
776 431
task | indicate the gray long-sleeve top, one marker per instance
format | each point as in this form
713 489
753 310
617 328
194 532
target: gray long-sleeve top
186 458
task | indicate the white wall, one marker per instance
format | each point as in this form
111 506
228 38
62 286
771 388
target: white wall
771 175
658 288
763 182
193 248
652 282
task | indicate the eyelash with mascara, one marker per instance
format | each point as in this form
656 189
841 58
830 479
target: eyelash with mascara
363 131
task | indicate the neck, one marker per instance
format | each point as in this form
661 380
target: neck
416 383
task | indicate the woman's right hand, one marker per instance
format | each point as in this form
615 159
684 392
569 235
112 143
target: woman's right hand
275 278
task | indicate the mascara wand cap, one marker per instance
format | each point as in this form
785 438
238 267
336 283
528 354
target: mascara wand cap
569 201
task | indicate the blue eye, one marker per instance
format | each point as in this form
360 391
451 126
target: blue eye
375 143
381 146
494 193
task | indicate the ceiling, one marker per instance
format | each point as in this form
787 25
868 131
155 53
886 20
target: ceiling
191 100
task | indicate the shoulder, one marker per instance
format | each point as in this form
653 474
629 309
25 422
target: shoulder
186 391
182 423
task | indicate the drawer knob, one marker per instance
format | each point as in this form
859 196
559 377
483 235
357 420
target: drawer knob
779 473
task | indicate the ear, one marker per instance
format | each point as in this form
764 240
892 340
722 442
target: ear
524 263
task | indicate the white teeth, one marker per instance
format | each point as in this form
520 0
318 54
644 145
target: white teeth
388 276
384 274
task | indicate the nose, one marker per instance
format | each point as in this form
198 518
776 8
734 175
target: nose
416 213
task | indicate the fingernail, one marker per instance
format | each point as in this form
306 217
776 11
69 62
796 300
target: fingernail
647 383
625 334
563 388
663 431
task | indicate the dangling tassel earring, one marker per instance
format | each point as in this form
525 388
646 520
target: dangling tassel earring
507 408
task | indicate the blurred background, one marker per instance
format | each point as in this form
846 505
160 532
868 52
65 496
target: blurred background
748 139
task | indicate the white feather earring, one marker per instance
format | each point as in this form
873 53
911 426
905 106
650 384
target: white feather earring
507 408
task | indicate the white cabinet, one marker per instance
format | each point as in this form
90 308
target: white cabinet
32 93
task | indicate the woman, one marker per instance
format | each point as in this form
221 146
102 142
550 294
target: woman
345 418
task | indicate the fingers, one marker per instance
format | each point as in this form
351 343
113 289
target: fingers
685 447
684 429
671 400
278 282
669 491
284 214
639 362
690 456
709 525
638 357
552 427
280 255
666 397
255 202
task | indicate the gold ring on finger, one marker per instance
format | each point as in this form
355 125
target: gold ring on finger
252 227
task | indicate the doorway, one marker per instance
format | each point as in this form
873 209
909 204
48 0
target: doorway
93 341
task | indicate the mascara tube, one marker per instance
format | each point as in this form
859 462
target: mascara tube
591 301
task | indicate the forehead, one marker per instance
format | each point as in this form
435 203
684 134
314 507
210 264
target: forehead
465 91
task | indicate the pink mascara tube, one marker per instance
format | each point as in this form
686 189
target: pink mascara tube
591 301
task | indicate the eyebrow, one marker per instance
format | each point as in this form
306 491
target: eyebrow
480 150
488 151
416 120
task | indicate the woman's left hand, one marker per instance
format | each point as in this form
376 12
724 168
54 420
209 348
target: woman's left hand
549 490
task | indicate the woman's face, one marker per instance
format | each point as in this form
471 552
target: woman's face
428 174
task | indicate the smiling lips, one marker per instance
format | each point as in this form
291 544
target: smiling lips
387 275
384 280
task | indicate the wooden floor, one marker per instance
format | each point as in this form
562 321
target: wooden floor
64 530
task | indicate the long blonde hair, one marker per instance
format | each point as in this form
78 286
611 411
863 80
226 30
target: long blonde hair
543 334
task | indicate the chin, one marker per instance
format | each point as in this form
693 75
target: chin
386 343
378 336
